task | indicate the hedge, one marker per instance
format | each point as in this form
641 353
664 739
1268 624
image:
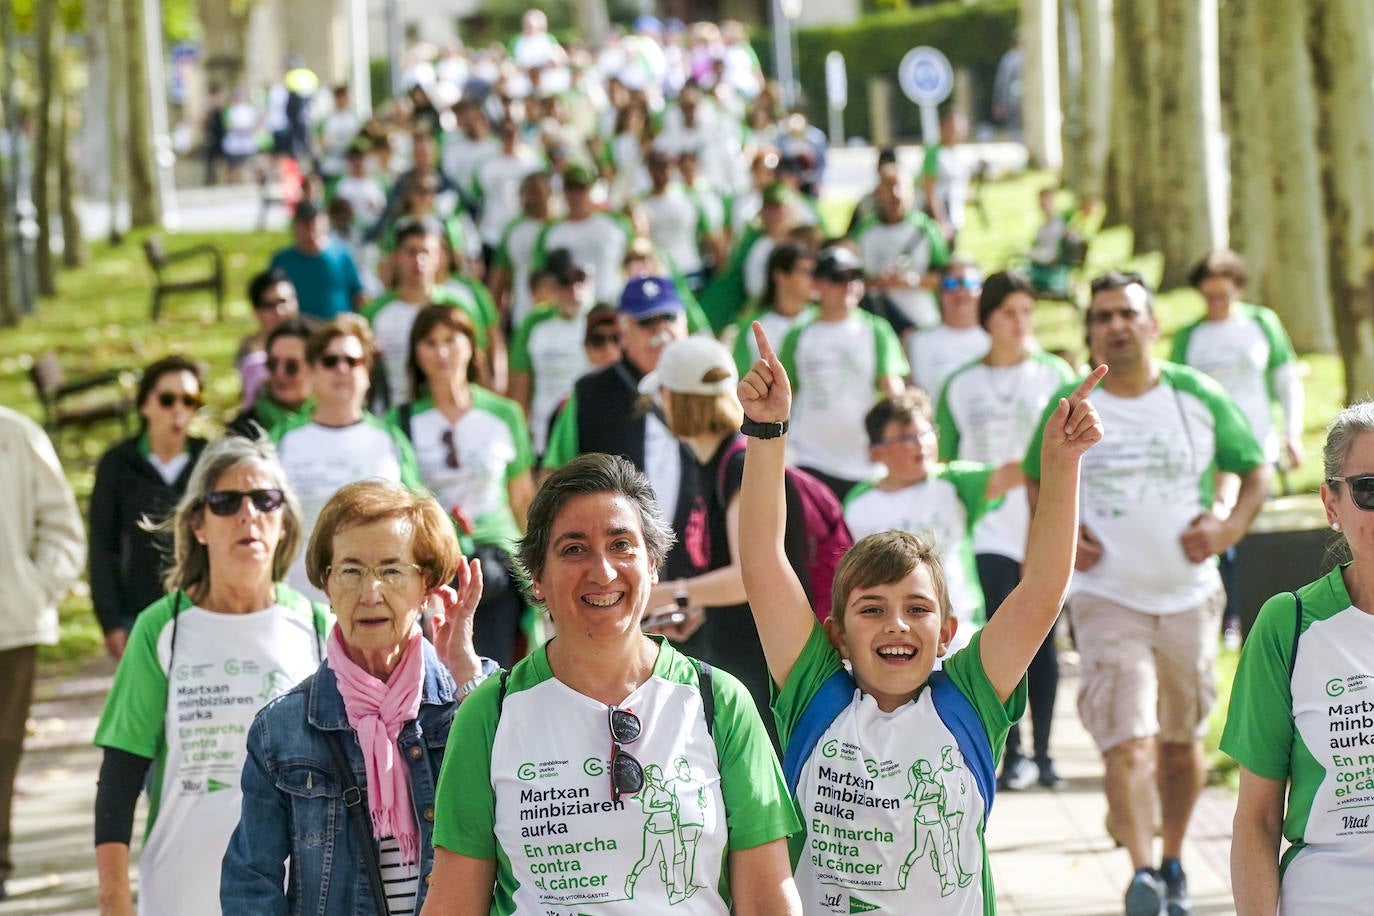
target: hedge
974 36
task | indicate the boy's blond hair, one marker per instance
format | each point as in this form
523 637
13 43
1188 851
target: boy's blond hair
884 558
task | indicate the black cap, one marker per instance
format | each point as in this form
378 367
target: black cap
838 264
565 267
305 212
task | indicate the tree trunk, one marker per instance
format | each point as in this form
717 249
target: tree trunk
1247 120
114 115
1095 34
73 248
1342 75
1296 278
1040 82
143 198
48 79
1136 122
1071 94
9 310
1188 105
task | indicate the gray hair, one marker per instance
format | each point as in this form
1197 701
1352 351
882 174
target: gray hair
1341 435
588 474
190 562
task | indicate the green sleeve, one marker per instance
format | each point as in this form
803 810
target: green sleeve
722 297
939 247
563 440
134 718
787 355
501 258
510 413
1031 463
970 480
518 355
370 310
1280 347
464 804
758 808
541 247
1179 352
472 305
697 322
486 306
891 359
965 669
945 426
930 165
814 666
744 357
1237 449
405 455
1259 729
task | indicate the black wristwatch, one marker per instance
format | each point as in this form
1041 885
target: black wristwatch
762 430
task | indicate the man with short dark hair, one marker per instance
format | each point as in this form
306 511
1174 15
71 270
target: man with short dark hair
286 393
273 299
1146 599
326 280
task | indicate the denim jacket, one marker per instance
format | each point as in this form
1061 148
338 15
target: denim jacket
293 810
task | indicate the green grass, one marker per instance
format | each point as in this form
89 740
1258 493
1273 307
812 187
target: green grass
99 320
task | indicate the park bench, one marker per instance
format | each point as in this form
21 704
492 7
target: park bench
169 278
79 402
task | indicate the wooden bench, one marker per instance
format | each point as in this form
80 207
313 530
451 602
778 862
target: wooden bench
169 280
80 402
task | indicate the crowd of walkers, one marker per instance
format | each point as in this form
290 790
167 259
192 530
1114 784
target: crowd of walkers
601 530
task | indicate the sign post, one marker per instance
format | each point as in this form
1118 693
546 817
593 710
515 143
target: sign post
926 78
836 94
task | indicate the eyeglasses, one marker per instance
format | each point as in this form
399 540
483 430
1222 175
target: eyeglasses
227 502
950 284
289 366
450 449
169 400
352 578
332 360
627 776
1361 490
602 340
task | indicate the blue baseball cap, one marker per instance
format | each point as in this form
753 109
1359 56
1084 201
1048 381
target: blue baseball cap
649 297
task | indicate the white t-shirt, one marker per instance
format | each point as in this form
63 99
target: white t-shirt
391 328
516 253
599 240
756 266
319 460
497 180
673 223
883 246
662 463
225 667
460 155
549 346
936 352
366 197
990 414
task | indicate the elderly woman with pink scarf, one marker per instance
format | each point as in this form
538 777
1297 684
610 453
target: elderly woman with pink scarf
338 787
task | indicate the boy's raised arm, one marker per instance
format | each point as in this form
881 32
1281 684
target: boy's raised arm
778 601
1013 635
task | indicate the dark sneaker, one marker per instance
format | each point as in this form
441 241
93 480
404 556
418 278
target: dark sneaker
1145 895
1018 773
1176 897
1047 777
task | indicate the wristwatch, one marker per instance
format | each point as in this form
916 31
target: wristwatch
468 687
763 430
680 594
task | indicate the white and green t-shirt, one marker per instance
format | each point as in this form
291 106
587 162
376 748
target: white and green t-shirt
1315 731
675 225
515 255
525 783
775 325
835 368
599 240
989 414
1146 481
1251 356
319 460
913 244
392 319
548 346
469 464
937 353
187 708
892 814
496 184
945 506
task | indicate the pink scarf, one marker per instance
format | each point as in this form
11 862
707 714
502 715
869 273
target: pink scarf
377 710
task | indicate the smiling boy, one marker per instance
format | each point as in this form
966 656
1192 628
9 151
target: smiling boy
893 780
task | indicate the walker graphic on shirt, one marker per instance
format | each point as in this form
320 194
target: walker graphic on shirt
676 817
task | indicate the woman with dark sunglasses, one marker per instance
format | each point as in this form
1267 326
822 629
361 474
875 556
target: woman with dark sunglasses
338 442
1299 725
139 478
553 796
200 662
474 454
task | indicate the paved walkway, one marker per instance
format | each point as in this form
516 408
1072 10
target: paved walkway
1049 851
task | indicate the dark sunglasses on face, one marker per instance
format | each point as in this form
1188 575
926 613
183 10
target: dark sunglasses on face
227 502
602 340
288 366
1361 489
169 399
332 360
627 776
950 284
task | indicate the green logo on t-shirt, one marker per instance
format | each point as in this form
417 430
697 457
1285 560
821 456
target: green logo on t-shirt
859 906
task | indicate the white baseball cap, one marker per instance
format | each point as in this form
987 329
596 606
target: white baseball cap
684 364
